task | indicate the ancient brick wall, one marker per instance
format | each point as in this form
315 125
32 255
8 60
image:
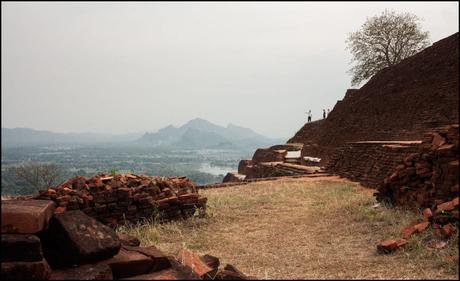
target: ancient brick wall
244 167
429 176
127 197
401 102
369 162
268 155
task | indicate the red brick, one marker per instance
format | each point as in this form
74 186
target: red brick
438 140
421 226
447 230
446 206
408 231
400 242
60 210
193 261
455 201
427 214
389 245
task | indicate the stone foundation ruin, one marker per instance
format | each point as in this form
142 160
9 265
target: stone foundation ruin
39 243
120 198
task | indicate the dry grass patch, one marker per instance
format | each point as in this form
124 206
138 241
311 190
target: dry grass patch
302 229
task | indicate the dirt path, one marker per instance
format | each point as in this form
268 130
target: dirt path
304 229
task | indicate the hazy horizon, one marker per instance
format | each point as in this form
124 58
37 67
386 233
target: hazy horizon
139 132
120 68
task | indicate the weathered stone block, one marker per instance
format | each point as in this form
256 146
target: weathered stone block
21 247
26 216
81 238
128 263
160 261
38 270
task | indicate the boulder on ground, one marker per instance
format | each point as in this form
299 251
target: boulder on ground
21 247
84 272
26 216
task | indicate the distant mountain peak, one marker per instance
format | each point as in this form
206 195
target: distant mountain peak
198 121
199 132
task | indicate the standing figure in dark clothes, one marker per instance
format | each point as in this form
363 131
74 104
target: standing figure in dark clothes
324 113
309 116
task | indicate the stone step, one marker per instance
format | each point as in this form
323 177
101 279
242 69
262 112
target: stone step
26 216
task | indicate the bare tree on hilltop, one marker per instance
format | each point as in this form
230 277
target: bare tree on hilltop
384 41
38 175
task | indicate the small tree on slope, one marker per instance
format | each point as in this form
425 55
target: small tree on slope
384 41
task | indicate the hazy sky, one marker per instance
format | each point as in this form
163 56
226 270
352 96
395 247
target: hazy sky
130 67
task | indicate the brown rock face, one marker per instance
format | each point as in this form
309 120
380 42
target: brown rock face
75 238
21 247
26 216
